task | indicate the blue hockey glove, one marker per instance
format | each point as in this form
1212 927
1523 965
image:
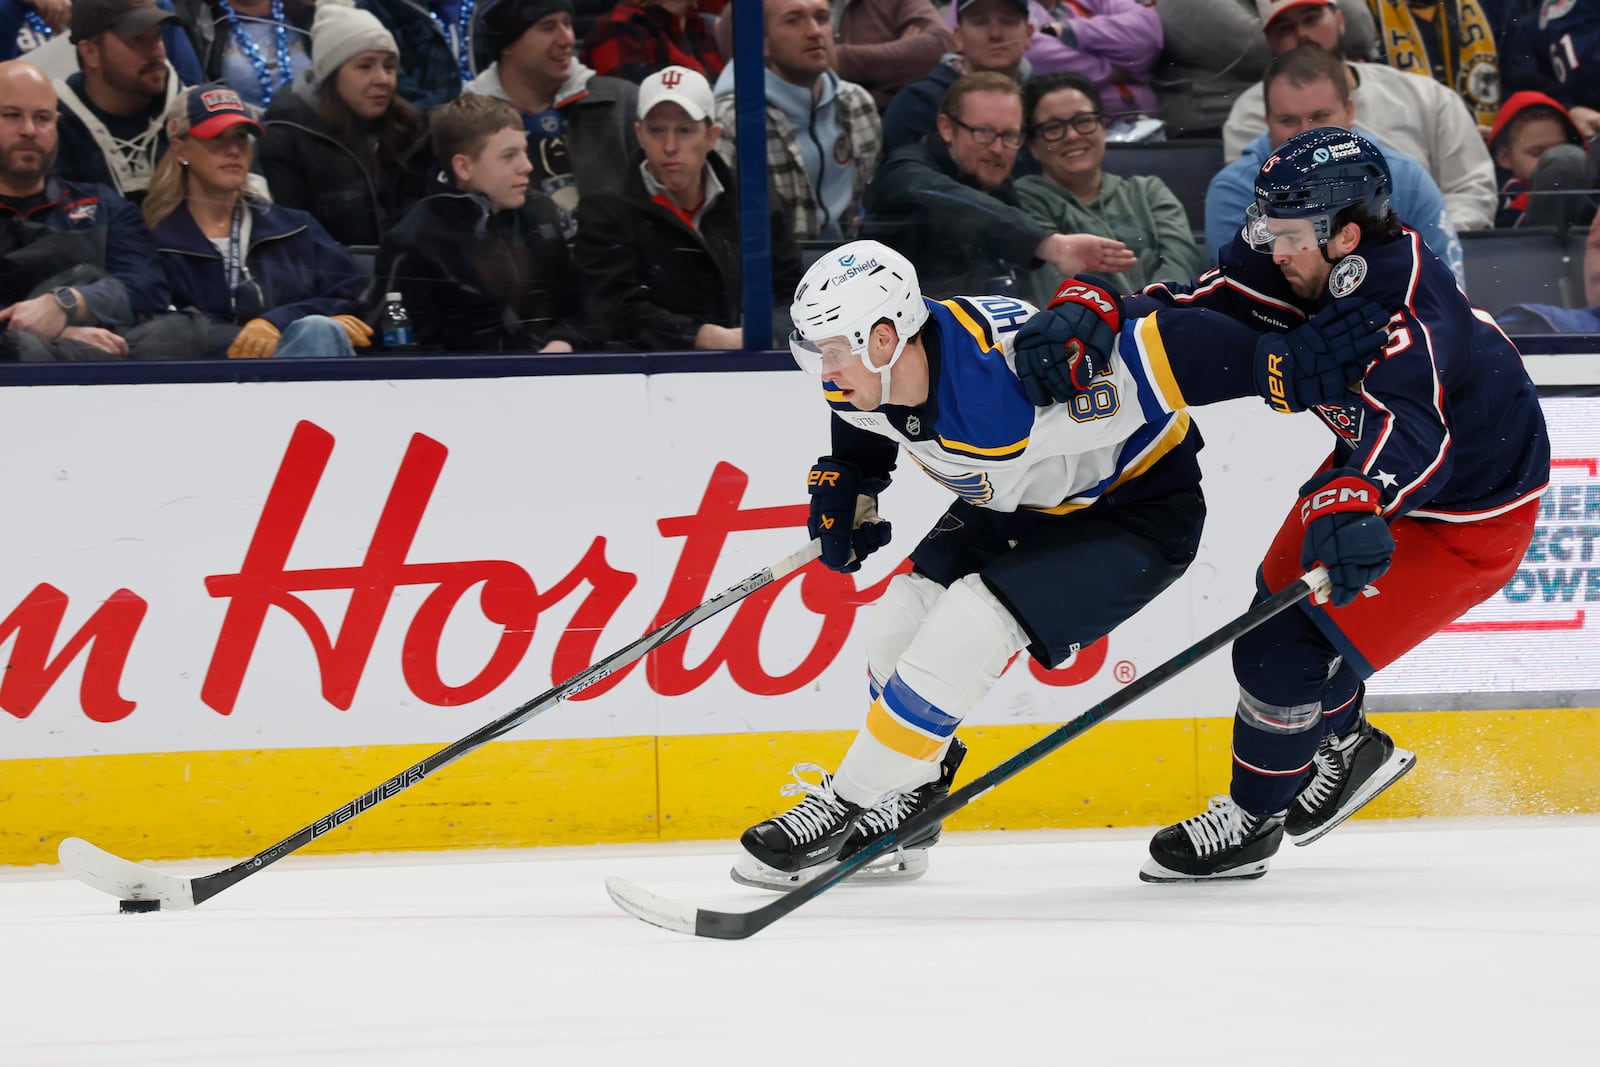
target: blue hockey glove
1344 531
843 517
1059 351
1318 361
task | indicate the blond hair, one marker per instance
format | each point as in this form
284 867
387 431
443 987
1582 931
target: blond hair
168 183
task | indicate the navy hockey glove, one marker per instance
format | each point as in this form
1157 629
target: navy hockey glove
1318 361
842 517
1059 351
1344 531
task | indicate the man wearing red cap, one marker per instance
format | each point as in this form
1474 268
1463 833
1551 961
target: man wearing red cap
1414 115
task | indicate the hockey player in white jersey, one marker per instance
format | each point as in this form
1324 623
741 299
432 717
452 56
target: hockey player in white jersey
1068 518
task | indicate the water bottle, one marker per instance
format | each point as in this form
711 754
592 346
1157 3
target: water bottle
397 335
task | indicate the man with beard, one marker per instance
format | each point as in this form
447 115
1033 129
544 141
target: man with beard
111 110
76 264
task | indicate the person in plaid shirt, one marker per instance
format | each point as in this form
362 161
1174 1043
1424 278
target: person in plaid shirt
824 137
639 37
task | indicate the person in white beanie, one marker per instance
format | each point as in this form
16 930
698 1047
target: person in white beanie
344 145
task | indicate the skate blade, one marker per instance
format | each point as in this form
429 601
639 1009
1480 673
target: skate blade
1394 768
1155 872
905 865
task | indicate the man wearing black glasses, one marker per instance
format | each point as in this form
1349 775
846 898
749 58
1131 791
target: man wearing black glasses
947 202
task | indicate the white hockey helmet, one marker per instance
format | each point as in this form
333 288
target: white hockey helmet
847 292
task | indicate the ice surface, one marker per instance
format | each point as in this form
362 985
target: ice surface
1418 943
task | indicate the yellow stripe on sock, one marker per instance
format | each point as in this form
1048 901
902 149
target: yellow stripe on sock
898 737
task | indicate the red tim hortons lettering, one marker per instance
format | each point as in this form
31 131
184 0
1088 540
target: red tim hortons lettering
107 634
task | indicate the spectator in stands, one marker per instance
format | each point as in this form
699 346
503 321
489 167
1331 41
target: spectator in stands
580 125
437 41
881 45
639 37
1213 51
481 262
343 145
947 203
1305 87
1547 175
1113 43
1447 40
266 280
1567 39
39 30
77 269
1413 115
991 35
824 137
110 127
255 47
1066 124
659 259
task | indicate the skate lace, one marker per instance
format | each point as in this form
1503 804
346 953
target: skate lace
882 818
1327 775
1221 825
817 813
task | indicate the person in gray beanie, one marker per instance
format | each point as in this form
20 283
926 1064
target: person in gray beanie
580 124
343 144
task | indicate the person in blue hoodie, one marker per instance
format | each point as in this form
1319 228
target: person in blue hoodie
824 137
1307 87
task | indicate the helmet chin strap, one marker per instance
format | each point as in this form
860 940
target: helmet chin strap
883 371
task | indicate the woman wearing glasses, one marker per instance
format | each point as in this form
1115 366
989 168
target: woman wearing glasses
1067 135
268 280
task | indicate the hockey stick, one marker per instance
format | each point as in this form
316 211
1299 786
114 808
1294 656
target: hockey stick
130 882
737 925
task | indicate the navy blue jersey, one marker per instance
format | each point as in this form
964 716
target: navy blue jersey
1569 30
1449 424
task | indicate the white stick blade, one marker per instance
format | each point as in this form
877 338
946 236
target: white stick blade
99 869
653 909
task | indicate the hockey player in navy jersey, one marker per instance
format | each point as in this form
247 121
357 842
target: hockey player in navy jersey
1068 519
1424 508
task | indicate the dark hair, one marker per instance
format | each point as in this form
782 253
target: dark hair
1529 114
988 81
1037 88
398 129
1304 64
1371 226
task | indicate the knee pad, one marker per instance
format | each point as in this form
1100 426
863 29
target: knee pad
964 643
1278 718
896 617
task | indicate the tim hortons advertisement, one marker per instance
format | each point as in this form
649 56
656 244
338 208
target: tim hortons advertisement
201 567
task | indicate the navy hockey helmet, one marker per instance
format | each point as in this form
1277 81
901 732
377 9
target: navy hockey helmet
1314 175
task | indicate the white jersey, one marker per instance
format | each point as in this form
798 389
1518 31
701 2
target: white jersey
978 435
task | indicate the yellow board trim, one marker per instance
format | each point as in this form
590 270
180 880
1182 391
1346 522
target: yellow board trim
512 794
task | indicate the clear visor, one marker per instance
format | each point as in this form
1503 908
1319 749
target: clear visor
821 358
1284 237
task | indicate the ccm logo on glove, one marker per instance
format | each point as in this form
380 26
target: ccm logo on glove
1088 295
1344 494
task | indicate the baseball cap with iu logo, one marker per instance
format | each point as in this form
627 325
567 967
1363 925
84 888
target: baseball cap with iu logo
214 108
677 85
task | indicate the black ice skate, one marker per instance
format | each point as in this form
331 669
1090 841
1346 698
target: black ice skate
1223 842
906 861
1347 773
811 832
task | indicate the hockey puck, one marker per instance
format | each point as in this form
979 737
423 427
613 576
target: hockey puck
133 907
